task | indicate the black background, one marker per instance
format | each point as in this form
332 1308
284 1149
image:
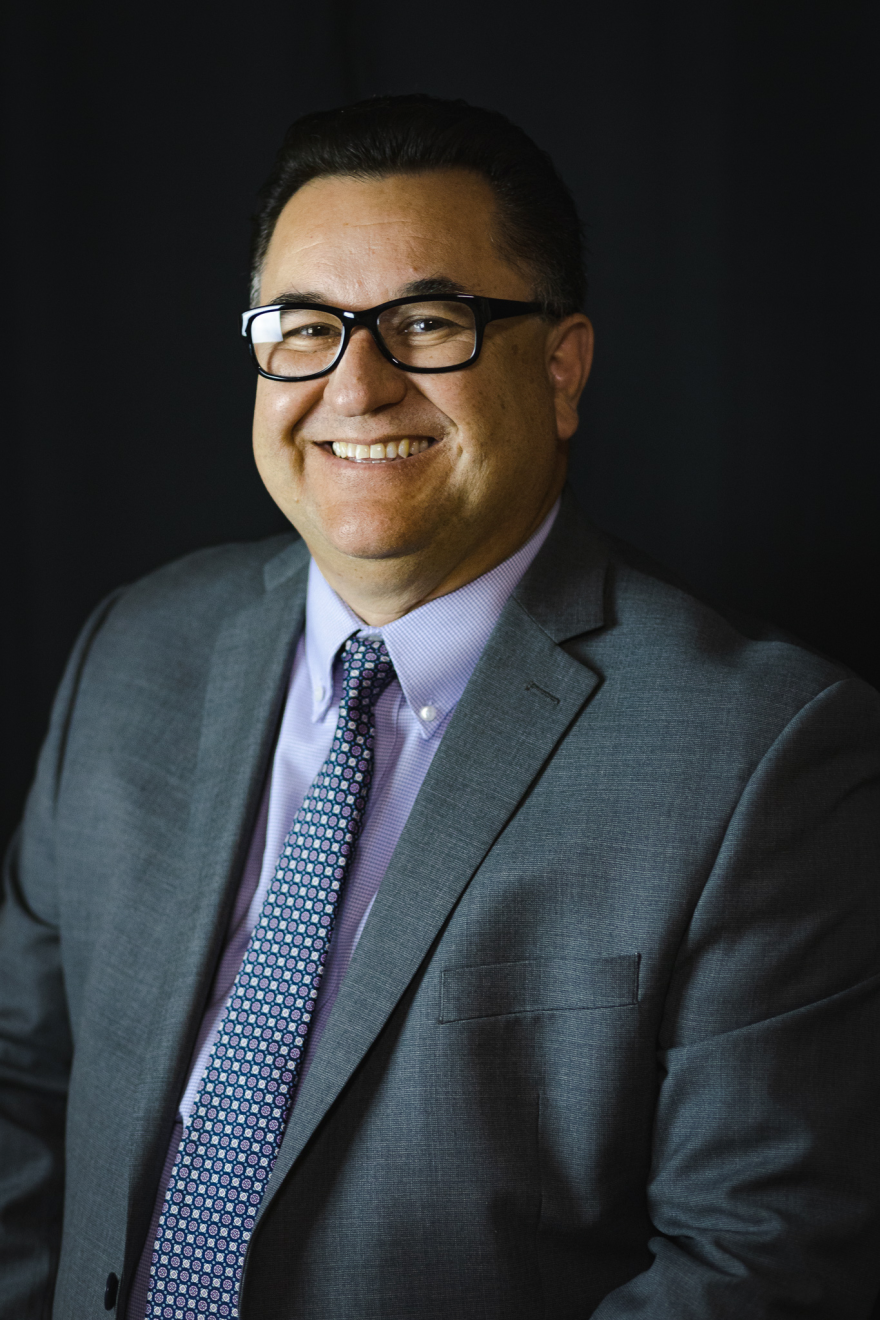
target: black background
722 155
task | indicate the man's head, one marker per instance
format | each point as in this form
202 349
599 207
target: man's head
370 203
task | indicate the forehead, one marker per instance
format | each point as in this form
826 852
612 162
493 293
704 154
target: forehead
361 240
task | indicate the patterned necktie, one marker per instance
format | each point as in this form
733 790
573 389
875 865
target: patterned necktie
228 1151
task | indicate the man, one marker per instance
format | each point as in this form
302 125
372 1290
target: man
441 915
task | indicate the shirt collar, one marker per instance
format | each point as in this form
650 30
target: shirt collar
434 648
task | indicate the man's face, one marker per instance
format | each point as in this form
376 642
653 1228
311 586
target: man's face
496 431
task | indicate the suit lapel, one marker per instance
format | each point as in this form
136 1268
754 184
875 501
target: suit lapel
245 692
522 696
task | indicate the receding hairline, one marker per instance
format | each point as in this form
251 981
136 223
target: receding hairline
538 228
369 173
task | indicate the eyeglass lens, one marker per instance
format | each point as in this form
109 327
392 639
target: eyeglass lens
299 341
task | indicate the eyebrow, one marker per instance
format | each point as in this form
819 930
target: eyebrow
297 296
439 285
436 284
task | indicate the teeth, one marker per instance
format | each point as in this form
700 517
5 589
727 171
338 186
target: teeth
394 449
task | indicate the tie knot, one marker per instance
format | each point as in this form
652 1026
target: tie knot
367 670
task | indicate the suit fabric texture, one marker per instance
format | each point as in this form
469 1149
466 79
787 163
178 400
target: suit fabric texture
608 1043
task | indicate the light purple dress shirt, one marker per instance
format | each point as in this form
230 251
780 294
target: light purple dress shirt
434 649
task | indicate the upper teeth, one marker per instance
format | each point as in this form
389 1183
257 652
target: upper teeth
394 449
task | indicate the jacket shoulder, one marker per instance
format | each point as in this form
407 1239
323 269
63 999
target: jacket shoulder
709 656
222 576
167 622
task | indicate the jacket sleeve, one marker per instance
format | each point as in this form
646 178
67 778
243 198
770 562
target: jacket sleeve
35 1035
765 1178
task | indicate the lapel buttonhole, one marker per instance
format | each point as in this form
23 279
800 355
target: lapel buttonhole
535 687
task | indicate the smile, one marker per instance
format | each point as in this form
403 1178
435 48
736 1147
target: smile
394 449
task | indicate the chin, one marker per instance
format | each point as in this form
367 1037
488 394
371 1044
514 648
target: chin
373 536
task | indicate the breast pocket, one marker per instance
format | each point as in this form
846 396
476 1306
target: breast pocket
540 985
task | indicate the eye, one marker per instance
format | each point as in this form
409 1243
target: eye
423 325
314 331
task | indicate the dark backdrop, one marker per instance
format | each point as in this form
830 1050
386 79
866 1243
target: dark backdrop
721 154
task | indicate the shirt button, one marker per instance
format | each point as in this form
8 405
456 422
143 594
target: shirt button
319 693
428 713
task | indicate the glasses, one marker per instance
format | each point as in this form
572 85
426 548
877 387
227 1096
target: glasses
302 340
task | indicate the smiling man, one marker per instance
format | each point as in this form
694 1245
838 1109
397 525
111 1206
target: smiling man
439 913
477 457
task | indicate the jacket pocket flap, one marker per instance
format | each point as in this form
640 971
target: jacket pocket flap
538 986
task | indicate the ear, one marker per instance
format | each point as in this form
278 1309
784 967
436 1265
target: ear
569 358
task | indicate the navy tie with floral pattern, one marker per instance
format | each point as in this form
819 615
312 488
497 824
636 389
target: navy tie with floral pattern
229 1148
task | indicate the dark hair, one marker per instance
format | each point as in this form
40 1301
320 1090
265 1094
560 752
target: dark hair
409 134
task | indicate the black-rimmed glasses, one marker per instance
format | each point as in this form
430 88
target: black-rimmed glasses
302 340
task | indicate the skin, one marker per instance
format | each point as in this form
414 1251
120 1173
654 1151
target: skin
389 536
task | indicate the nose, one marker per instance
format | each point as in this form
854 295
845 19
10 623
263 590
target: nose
363 381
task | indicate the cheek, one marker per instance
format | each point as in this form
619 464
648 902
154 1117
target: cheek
279 409
475 404
278 459
499 412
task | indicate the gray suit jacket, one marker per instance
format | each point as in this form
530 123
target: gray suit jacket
608 1043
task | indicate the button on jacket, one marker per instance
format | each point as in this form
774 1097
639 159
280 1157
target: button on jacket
607 1043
